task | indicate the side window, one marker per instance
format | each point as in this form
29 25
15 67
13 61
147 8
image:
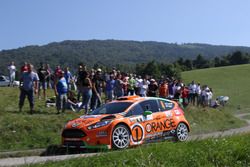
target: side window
150 105
1 78
165 105
137 110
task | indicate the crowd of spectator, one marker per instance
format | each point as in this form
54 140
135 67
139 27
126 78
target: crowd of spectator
88 89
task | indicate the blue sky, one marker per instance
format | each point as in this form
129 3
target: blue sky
38 22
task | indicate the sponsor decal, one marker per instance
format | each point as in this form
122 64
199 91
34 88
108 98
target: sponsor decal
154 135
168 114
148 128
137 119
141 118
161 125
169 105
137 133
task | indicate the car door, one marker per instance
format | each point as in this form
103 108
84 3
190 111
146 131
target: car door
166 109
153 124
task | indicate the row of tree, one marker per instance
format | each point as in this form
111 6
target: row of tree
173 70
201 62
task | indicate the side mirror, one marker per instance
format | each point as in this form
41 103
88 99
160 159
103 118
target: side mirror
146 113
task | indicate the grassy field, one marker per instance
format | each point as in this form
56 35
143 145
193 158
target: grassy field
20 131
232 81
231 151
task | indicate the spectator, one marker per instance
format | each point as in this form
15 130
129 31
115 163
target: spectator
152 88
192 92
118 87
110 84
12 73
143 88
208 97
163 90
48 78
28 84
72 102
198 94
42 74
131 85
137 85
97 84
68 76
184 95
86 91
61 90
24 67
125 85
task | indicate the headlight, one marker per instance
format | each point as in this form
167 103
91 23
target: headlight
99 124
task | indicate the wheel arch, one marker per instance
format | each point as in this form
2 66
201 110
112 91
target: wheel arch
185 124
120 123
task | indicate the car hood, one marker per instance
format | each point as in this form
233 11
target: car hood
88 120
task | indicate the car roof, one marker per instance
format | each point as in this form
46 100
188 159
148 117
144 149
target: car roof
136 98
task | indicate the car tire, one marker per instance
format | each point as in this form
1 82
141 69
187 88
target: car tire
120 137
181 132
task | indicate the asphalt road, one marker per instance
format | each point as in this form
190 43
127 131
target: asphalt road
42 159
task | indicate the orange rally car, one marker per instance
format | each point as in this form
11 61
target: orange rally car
128 121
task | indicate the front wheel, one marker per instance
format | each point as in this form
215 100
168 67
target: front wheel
182 132
120 137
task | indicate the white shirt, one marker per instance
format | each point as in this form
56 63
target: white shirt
198 90
192 88
12 69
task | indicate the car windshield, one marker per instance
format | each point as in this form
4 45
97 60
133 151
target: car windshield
112 108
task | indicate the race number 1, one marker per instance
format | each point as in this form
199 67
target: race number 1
137 135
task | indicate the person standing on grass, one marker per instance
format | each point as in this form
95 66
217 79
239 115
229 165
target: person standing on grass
12 73
68 76
86 92
61 90
97 86
28 86
42 74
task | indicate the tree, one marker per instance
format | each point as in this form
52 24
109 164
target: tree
238 58
200 62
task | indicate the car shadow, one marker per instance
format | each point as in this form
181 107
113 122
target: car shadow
53 150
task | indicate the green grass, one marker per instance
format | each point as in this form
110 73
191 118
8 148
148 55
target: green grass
204 120
231 151
232 81
20 130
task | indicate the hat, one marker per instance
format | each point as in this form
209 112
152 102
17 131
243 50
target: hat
152 80
99 70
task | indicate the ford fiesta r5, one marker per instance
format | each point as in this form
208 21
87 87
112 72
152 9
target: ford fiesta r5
128 121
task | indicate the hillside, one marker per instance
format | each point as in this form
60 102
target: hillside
110 53
232 81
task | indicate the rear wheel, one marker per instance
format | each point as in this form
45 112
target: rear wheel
120 137
182 132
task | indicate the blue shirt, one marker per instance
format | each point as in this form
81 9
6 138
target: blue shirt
62 86
67 76
28 79
110 85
